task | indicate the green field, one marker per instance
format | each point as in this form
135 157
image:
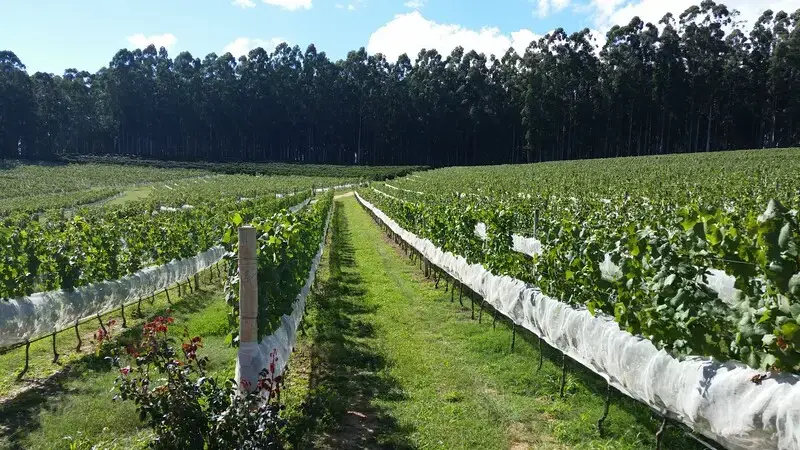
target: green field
390 358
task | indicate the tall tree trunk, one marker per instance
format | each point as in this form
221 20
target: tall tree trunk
710 120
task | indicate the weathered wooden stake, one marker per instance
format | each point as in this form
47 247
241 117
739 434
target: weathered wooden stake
541 355
246 374
55 352
472 301
27 359
535 229
605 410
660 434
78 336
513 334
102 325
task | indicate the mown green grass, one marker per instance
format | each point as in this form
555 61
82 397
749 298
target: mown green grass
78 407
131 195
390 362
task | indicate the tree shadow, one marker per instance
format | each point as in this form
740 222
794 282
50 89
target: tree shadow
346 373
19 415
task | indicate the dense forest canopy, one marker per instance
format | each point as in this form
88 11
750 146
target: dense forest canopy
696 82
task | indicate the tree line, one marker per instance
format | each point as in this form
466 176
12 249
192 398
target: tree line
698 82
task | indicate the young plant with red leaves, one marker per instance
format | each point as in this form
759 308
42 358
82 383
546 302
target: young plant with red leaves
188 409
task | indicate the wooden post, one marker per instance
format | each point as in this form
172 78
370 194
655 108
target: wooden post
246 373
535 231
248 285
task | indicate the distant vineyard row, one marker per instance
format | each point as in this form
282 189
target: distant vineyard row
65 250
254 168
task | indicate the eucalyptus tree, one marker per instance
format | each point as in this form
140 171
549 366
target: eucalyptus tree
695 81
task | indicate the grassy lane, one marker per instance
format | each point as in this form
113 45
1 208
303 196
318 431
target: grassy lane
76 407
390 362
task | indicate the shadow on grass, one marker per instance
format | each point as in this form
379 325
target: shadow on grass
346 374
19 415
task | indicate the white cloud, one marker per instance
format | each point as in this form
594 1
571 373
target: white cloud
620 12
544 6
409 33
352 6
414 4
244 3
290 5
166 40
242 46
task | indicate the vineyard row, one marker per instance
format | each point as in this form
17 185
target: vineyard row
718 400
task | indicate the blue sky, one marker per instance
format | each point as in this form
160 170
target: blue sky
49 35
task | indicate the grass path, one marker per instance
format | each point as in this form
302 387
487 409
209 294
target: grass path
390 362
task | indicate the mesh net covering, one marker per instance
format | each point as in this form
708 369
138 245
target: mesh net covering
521 244
718 400
44 312
716 279
254 357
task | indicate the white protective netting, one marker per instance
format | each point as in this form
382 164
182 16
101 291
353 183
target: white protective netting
341 186
254 357
299 206
44 312
716 279
716 399
520 244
